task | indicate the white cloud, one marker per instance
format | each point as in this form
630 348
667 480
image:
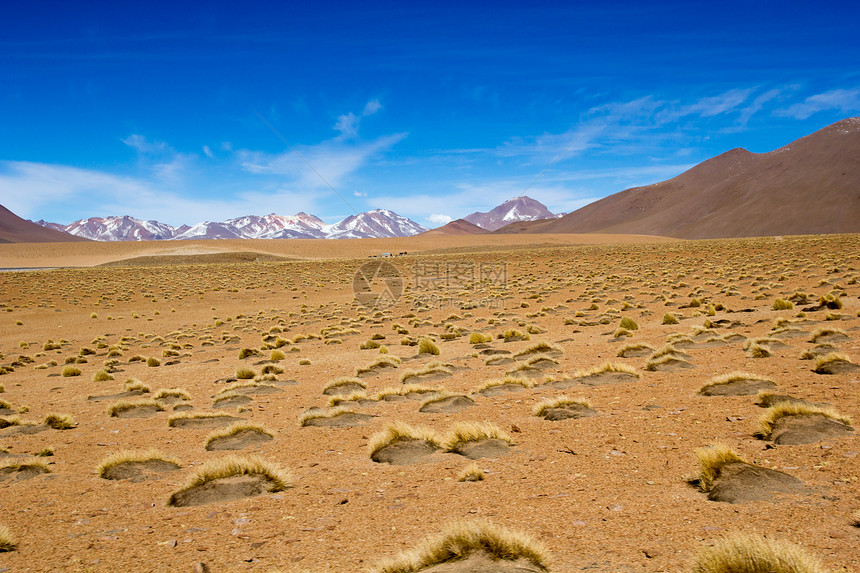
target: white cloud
208 151
332 161
143 145
439 220
371 107
846 101
359 194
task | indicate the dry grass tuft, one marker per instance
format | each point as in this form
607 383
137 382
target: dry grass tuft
633 347
70 371
558 402
60 421
463 538
432 368
427 346
387 361
463 432
780 304
118 408
232 466
538 348
472 472
607 367
400 432
825 331
734 377
782 409
316 413
172 420
479 338
245 374
821 361
745 553
180 393
628 324
670 318
711 460
132 456
343 381
235 429
7 540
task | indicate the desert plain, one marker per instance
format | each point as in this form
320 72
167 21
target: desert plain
639 353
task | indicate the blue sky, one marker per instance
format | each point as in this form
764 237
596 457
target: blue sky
433 110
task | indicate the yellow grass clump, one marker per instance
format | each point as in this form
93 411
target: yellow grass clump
632 347
472 472
132 456
463 432
60 421
479 338
233 430
746 553
628 323
171 421
607 367
711 460
245 374
558 402
343 381
780 304
69 371
768 420
461 539
734 377
121 406
7 540
670 318
427 346
232 466
825 331
399 432
432 368
316 413
180 393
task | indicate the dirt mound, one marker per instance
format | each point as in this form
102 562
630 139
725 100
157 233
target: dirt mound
21 473
740 387
204 422
345 420
740 482
568 412
807 429
404 452
838 366
230 402
120 396
139 471
500 389
239 440
769 400
500 361
141 411
670 365
447 405
343 389
600 379
487 448
224 489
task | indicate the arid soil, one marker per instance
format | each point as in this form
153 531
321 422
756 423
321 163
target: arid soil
609 491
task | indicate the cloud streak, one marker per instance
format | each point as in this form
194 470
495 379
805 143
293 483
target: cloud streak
846 101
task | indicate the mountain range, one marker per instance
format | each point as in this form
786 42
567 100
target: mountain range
810 186
379 223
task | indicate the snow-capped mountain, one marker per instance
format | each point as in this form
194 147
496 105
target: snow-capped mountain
378 223
272 226
511 211
372 224
116 229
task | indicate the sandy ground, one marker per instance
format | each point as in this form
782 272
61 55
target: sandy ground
18 255
605 493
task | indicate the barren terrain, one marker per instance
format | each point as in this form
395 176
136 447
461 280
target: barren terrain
604 480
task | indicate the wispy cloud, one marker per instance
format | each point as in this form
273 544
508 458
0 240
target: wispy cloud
143 145
348 123
846 101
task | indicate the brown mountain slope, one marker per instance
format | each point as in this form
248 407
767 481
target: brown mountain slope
810 186
457 227
14 229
